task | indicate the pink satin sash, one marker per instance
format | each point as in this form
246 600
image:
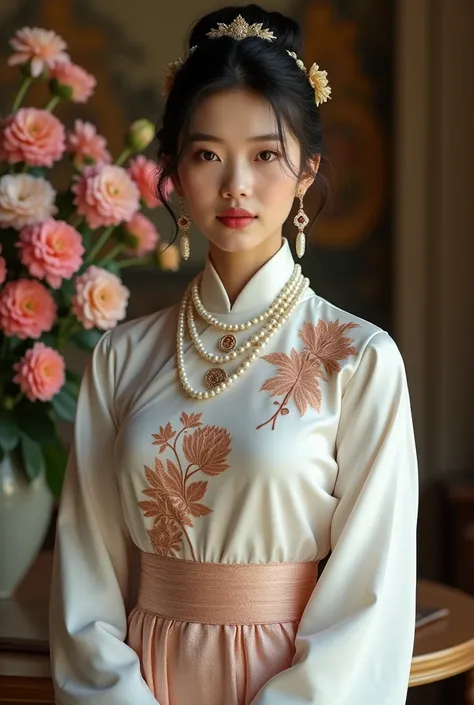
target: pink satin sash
217 593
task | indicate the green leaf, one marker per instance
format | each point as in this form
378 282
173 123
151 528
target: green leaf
67 289
64 404
48 339
35 422
112 266
72 376
87 238
32 457
73 381
2 454
55 458
14 343
87 339
37 171
9 431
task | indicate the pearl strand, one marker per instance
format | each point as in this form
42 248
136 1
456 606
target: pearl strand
227 357
200 395
233 327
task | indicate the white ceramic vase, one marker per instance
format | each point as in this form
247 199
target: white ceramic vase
25 514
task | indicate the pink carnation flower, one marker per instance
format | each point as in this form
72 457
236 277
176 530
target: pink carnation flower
78 80
51 250
105 195
27 309
87 146
100 300
33 136
44 48
40 372
25 199
146 173
3 268
142 234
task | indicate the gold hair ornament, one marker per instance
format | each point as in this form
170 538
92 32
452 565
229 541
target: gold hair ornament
240 29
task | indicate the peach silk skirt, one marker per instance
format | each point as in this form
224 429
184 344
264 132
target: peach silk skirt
214 634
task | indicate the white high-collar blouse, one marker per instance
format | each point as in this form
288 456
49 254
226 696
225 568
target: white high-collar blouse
313 451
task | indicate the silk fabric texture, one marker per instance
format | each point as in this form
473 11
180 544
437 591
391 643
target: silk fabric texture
310 453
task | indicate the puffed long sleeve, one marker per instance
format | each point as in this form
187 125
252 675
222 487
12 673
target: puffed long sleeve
91 663
355 641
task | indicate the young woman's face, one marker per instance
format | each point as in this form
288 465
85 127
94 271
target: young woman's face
233 161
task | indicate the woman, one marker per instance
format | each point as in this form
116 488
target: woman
226 445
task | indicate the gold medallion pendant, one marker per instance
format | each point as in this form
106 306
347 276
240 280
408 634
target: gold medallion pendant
215 376
227 342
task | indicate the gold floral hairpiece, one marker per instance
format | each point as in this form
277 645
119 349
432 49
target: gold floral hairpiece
240 29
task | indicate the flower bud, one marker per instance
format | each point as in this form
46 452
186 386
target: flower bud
60 89
140 134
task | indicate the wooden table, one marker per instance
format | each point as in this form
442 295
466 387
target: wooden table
442 649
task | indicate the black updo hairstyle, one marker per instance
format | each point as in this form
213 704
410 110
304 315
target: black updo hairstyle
253 63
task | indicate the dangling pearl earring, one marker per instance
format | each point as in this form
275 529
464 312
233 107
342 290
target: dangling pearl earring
301 220
184 223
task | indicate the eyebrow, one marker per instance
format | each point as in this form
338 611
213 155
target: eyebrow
203 137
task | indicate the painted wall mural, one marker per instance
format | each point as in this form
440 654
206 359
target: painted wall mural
351 241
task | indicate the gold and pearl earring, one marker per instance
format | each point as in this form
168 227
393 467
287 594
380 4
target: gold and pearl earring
184 224
301 220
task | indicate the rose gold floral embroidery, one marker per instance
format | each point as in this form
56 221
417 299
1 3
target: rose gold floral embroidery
327 342
299 373
173 499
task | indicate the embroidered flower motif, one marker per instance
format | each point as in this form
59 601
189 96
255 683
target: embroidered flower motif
173 500
299 373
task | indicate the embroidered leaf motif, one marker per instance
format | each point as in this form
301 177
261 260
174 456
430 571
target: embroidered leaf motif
297 378
163 437
208 448
173 499
196 491
326 341
174 481
191 421
154 478
299 373
166 491
151 509
166 538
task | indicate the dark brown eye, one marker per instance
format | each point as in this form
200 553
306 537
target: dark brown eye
202 155
269 154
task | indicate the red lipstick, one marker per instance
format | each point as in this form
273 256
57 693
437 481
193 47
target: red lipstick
236 218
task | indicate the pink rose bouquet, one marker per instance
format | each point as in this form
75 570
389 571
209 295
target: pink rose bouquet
62 252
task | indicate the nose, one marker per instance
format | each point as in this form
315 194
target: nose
237 181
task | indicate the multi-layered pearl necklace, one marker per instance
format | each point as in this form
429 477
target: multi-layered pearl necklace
217 379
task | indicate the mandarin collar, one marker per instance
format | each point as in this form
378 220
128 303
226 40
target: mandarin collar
257 294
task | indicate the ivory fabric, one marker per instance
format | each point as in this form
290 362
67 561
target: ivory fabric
228 627
311 452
